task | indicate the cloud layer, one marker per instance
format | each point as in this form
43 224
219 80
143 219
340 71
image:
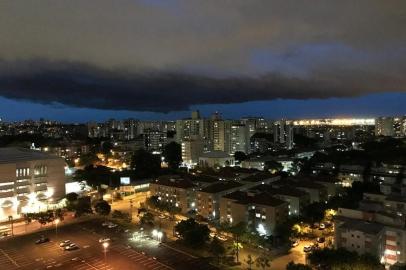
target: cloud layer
166 55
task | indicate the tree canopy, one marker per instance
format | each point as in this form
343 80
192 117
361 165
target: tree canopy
193 233
173 155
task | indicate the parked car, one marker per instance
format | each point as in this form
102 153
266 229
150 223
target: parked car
307 248
65 243
321 240
42 240
71 246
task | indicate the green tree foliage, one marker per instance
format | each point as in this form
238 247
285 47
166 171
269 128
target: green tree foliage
147 219
272 165
44 217
250 261
193 233
102 208
263 262
240 156
297 266
217 249
173 155
95 175
145 164
342 259
83 206
88 159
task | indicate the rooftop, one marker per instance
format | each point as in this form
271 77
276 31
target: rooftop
14 154
215 154
174 182
362 226
264 198
221 186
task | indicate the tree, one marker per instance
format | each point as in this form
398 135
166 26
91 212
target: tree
147 218
88 159
273 166
250 261
145 164
217 249
193 233
298 266
240 156
83 206
72 197
173 155
102 208
262 262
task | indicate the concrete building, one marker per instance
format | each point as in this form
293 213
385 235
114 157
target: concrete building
384 126
259 211
208 199
29 180
191 150
216 159
283 133
176 191
239 141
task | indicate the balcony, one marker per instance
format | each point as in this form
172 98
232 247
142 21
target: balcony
40 180
23 183
42 187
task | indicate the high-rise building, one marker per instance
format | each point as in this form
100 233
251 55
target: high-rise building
155 140
283 133
238 138
384 126
191 150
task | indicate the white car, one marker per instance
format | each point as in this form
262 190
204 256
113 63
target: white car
112 225
65 243
295 243
322 226
104 239
71 247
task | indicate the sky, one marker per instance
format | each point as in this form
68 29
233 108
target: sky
74 60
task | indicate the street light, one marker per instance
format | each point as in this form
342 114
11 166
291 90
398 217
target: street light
105 246
56 226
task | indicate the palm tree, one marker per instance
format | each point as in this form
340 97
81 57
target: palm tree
262 262
249 261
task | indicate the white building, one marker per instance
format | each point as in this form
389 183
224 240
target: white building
29 181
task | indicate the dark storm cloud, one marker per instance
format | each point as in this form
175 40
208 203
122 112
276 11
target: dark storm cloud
81 85
165 55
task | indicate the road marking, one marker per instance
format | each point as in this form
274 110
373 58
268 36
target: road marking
8 257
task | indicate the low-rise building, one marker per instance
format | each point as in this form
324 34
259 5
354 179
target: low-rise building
208 198
176 191
215 159
29 180
259 211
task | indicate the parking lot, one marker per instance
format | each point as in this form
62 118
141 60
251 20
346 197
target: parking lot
121 253
23 253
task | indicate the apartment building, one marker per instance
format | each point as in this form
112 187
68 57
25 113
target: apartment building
261 212
176 191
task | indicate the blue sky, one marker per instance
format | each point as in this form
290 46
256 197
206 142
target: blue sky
365 106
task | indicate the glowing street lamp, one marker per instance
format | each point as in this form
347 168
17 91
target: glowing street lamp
105 246
56 226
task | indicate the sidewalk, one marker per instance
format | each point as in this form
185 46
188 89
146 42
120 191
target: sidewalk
21 228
